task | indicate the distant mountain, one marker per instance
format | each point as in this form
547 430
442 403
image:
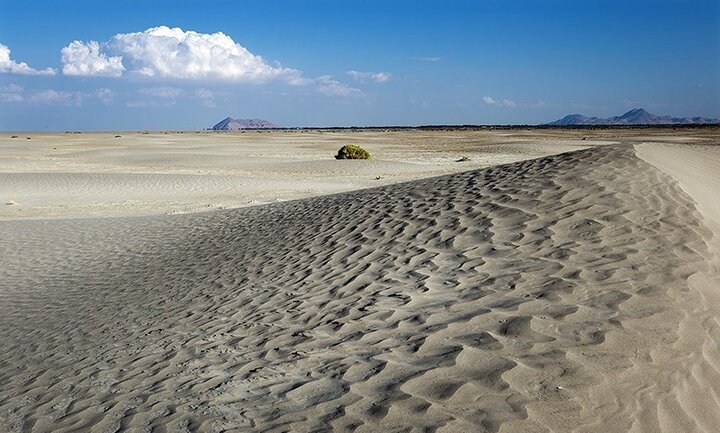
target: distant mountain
637 116
230 124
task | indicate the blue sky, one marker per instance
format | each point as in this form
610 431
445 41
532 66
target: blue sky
188 64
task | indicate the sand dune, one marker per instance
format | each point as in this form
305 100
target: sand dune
573 292
696 167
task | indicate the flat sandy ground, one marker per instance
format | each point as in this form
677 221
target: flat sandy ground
549 284
97 174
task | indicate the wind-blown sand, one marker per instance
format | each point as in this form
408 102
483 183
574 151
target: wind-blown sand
574 292
96 174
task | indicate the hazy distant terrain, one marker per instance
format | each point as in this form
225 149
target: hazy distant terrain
637 116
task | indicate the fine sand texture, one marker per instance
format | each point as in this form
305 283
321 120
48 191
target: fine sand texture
573 292
121 174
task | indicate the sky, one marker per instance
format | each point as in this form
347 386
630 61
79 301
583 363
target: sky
158 65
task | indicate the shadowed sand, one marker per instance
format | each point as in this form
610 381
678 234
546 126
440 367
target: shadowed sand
574 292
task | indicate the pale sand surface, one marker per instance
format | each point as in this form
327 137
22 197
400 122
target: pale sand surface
96 174
575 292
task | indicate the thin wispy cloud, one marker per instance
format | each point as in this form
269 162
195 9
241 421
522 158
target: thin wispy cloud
12 88
146 104
331 87
11 93
543 104
489 100
204 93
420 103
363 77
510 103
8 65
11 97
206 96
56 97
16 93
106 96
632 103
161 96
429 59
163 92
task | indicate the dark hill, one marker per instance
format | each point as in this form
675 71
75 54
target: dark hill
230 124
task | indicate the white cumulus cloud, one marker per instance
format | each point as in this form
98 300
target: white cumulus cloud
85 59
378 77
10 66
176 54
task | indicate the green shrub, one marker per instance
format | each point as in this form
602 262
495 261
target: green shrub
352 151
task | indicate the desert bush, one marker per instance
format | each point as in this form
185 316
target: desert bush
352 151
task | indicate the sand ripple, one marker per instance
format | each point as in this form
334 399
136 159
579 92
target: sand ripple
545 295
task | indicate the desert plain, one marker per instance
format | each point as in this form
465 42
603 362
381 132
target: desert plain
462 280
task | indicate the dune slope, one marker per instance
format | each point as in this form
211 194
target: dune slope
547 295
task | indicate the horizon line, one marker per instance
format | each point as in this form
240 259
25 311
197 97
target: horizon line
356 127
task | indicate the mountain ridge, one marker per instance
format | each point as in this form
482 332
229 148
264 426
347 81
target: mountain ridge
636 116
230 124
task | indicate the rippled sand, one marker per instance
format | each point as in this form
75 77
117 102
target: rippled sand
573 292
